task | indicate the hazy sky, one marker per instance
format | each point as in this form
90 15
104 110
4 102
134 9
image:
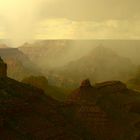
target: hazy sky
25 20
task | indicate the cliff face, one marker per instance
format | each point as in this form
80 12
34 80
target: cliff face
19 65
3 68
107 109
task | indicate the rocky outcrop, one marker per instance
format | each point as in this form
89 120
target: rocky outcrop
102 109
112 86
3 68
85 84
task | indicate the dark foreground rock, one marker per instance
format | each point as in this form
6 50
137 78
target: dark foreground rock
26 113
109 110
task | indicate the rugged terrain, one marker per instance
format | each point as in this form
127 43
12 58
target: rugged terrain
19 65
41 82
109 110
98 111
27 113
70 61
101 64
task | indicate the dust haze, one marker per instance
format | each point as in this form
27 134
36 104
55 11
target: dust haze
28 20
19 19
61 36
70 69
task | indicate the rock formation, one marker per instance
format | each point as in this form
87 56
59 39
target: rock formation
3 68
85 84
106 109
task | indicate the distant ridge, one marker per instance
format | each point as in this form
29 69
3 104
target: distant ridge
101 64
3 46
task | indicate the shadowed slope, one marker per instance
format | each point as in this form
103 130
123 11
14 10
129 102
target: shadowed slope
27 113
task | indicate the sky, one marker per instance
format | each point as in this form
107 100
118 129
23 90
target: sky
26 20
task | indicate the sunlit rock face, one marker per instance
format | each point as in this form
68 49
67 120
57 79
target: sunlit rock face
3 68
19 65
